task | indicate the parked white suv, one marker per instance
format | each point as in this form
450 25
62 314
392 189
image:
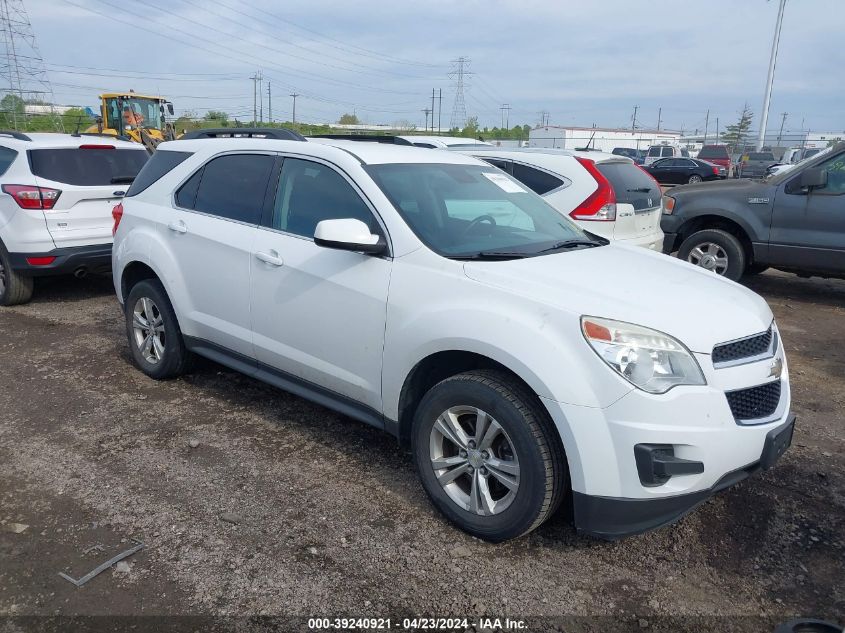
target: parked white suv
606 194
656 152
425 293
56 196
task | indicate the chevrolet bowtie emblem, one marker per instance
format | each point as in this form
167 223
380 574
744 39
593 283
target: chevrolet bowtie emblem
776 369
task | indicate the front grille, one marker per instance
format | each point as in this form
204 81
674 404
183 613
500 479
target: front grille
755 402
744 348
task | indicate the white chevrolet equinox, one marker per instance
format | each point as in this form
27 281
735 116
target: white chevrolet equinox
526 363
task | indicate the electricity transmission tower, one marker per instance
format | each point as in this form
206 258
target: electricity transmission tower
459 73
24 74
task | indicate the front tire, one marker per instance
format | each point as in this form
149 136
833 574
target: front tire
15 288
715 250
488 455
152 329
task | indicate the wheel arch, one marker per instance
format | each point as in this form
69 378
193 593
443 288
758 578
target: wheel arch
720 222
133 273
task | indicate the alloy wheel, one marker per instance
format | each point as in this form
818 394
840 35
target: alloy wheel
694 179
709 256
148 330
474 460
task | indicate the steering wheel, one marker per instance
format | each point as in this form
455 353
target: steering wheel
479 220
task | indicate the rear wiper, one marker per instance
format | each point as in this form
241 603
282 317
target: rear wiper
119 180
640 190
491 255
571 244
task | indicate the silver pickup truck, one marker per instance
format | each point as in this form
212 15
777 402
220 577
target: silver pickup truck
755 164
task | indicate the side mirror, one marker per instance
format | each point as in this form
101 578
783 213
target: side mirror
170 108
348 235
813 178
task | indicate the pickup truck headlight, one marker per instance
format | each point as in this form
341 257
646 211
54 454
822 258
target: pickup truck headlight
648 359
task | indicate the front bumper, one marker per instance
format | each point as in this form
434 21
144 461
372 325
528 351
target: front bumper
612 518
90 259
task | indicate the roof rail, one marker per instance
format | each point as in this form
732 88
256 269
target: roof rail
118 137
372 138
18 135
277 133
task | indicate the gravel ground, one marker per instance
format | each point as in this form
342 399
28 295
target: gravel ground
252 502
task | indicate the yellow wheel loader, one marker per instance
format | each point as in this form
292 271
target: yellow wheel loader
139 118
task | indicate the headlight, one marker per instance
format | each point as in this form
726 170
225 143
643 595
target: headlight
648 359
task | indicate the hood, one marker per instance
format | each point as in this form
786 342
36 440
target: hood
632 284
737 185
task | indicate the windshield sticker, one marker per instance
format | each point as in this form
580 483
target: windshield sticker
503 182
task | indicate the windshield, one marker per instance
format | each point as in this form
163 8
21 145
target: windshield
132 113
469 210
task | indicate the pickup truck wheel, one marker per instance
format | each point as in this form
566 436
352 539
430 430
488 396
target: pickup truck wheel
155 339
488 456
694 179
716 250
15 288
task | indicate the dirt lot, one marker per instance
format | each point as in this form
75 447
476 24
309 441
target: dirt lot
285 508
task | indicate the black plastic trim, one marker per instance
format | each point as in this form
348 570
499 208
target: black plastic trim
94 259
612 518
656 464
293 384
275 133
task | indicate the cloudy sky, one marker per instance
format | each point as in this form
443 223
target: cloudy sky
583 62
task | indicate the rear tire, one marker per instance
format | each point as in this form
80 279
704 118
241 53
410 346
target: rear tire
15 288
694 179
715 250
513 472
155 340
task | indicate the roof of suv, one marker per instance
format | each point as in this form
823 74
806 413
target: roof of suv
367 153
42 140
521 152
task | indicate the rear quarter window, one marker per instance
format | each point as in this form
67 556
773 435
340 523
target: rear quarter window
631 185
7 157
538 181
87 166
161 163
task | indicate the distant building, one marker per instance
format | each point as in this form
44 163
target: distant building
47 109
600 138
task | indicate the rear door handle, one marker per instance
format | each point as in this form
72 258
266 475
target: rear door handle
178 227
271 258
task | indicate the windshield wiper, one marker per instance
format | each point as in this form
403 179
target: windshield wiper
491 255
571 244
640 190
119 180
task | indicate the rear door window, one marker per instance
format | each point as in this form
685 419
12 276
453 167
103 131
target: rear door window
654 151
94 166
668 151
7 157
539 181
161 163
233 186
631 185
709 152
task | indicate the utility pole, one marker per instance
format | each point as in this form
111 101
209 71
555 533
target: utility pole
782 122
634 119
254 98
261 96
439 108
659 118
706 125
294 95
432 111
269 103
506 116
764 116
427 110
717 130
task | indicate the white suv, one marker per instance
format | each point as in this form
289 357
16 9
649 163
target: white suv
524 361
605 194
56 196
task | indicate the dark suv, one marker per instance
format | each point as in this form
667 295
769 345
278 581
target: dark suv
793 221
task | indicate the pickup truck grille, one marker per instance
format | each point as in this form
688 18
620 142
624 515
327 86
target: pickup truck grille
743 348
756 402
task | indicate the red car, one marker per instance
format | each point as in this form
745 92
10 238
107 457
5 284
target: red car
718 155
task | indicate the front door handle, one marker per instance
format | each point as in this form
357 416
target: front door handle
178 227
271 258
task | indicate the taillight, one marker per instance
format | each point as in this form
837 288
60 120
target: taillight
117 214
715 171
599 205
32 197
